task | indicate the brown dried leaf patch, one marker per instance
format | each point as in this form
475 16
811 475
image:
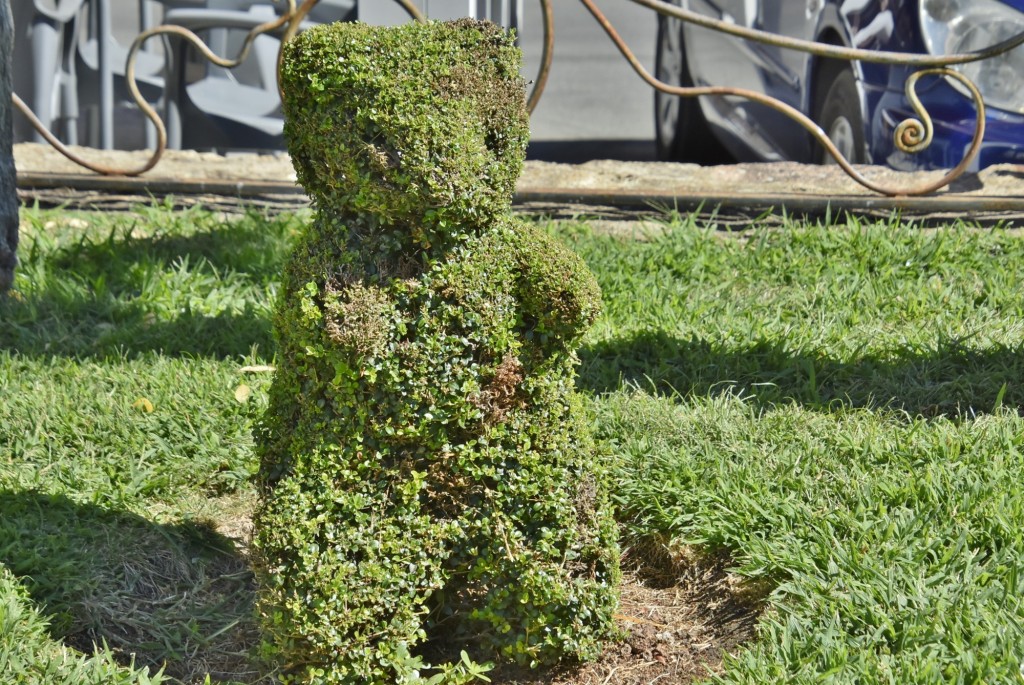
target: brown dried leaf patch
680 613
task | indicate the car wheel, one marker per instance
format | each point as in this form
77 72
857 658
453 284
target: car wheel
838 113
681 132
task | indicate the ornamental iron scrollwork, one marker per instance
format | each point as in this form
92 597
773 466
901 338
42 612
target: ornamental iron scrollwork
286 26
911 135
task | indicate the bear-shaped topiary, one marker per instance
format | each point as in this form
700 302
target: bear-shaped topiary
428 480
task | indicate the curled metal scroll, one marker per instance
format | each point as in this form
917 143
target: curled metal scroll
911 135
824 49
547 55
290 20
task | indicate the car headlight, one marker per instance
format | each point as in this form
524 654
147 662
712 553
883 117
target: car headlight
959 26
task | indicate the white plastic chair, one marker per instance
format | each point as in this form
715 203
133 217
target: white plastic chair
76 67
102 63
242 105
53 39
231 108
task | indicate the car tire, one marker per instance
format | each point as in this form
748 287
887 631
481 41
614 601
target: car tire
682 134
837 111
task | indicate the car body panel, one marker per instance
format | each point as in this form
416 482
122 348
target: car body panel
755 132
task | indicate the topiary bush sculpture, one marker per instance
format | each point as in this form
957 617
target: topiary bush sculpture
428 481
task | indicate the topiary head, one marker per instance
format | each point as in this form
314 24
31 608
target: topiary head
421 126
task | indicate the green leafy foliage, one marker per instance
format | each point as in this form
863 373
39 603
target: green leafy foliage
365 130
428 479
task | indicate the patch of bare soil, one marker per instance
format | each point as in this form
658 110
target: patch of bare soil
680 614
681 611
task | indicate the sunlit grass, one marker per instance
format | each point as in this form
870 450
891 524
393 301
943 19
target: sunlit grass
836 407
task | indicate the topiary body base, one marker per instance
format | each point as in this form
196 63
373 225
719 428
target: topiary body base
428 478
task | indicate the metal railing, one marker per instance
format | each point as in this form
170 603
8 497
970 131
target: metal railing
911 135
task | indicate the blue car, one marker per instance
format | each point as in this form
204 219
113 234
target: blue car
857 104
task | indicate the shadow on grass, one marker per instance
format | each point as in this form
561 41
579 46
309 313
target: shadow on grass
252 246
949 380
84 327
200 286
179 596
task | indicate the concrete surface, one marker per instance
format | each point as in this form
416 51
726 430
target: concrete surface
995 192
594 106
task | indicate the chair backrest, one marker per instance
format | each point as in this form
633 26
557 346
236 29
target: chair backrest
149 65
260 69
58 10
43 39
507 13
257 73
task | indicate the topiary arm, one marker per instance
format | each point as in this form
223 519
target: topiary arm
560 297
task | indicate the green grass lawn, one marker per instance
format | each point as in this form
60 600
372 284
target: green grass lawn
836 408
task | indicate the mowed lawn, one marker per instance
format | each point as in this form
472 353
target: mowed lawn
834 408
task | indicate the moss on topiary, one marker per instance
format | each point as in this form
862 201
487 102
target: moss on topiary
428 479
